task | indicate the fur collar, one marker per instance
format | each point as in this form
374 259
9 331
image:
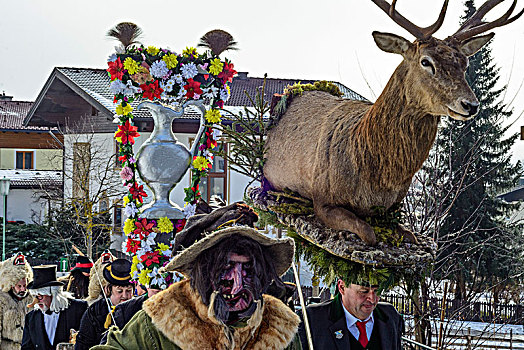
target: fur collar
179 313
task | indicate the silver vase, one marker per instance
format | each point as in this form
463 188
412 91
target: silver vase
162 161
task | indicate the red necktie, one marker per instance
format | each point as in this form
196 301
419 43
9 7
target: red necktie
363 336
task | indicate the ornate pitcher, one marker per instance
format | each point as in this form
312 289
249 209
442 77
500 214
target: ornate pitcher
162 161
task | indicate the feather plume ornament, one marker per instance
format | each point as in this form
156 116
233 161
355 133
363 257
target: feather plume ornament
218 41
127 33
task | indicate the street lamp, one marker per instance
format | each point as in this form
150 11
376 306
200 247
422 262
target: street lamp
4 191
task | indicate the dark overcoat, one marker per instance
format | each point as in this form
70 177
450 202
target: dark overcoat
35 336
327 319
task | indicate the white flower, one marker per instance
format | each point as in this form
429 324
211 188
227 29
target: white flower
178 79
210 92
208 155
130 210
112 58
189 70
117 87
196 96
181 93
216 133
167 252
224 95
189 210
130 89
159 69
120 50
168 85
149 241
116 119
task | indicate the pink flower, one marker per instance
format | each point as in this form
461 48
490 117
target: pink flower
126 173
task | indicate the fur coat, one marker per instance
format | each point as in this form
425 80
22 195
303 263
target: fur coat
12 314
177 319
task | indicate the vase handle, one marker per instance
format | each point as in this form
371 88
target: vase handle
202 109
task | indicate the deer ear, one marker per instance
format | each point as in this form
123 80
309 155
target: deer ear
471 46
391 42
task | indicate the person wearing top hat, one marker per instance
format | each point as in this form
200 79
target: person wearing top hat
354 319
96 319
15 273
222 304
55 312
78 281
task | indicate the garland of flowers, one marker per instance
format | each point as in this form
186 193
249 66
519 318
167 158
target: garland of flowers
161 75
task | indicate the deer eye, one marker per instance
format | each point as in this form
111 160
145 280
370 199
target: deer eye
427 65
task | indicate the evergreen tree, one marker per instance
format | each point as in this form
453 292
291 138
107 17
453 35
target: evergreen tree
478 247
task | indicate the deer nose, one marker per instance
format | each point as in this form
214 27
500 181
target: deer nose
470 107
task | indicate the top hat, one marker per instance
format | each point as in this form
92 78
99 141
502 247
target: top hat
118 272
44 276
83 264
280 249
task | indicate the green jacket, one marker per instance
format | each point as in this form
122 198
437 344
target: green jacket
177 319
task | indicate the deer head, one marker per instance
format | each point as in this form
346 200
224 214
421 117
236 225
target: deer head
432 71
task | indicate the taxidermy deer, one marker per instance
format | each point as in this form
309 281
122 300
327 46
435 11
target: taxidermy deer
350 156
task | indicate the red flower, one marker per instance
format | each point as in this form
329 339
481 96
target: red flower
151 90
192 88
127 132
122 158
132 245
179 226
220 104
116 69
143 228
227 73
138 192
150 258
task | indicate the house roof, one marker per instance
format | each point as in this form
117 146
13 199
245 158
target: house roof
12 114
516 194
33 178
69 88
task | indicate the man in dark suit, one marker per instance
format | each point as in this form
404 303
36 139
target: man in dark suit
354 320
55 313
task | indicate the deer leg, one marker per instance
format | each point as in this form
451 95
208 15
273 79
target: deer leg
339 218
409 237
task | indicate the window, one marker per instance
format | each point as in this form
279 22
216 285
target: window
215 184
117 218
24 159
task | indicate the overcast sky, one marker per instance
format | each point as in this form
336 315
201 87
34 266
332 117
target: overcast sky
306 39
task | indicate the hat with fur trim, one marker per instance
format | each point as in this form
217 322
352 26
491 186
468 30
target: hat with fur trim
13 270
281 249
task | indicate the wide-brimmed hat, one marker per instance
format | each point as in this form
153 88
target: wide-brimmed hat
83 264
44 276
280 249
118 272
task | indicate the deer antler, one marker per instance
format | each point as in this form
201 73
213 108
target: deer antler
418 32
474 25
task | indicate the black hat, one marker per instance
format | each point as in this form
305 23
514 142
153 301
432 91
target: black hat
118 272
44 276
83 264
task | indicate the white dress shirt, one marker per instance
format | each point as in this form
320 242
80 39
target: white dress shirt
50 322
351 322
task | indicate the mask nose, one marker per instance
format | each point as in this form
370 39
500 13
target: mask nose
470 107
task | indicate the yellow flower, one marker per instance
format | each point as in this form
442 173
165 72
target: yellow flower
134 264
131 65
213 116
200 163
129 226
162 247
216 66
143 278
152 50
190 51
170 60
164 225
123 110
126 200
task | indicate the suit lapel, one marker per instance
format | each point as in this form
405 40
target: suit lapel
386 333
337 328
61 328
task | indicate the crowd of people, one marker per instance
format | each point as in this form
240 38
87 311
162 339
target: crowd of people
232 297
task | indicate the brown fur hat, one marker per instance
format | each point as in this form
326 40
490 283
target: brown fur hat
281 249
96 276
13 270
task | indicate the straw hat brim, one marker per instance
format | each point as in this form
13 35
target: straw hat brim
280 249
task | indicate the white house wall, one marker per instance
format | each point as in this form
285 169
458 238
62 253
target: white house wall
24 205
